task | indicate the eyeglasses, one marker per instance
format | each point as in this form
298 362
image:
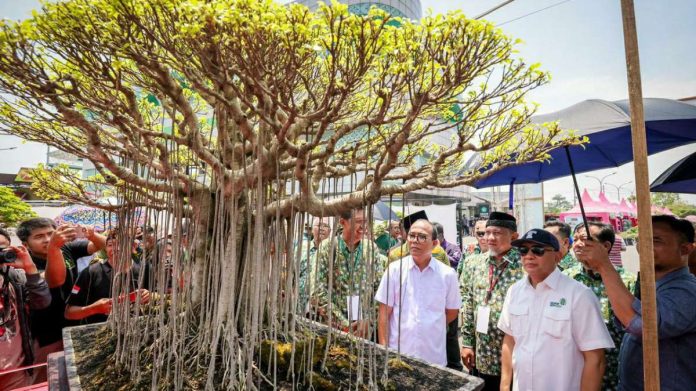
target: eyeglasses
536 250
418 238
480 234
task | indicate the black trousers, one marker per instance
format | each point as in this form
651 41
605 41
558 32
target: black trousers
492 382
454 359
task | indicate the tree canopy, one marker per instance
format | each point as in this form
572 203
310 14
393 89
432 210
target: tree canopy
238 115
180 95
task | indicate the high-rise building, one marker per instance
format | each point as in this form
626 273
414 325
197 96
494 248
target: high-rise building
410 9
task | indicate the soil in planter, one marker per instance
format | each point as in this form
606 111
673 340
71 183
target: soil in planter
339 372
98 371
94 349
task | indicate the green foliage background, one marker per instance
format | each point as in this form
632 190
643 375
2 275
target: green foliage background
12 208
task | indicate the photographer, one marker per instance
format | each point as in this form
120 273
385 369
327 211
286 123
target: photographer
21 288
55 250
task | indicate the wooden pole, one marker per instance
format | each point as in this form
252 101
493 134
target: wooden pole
651 363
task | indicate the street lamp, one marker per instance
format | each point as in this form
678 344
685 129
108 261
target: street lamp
601 181
618 189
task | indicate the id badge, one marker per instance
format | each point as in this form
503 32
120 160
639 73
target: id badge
483 316
353 308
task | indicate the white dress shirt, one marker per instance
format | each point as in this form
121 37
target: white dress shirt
552 325
418 325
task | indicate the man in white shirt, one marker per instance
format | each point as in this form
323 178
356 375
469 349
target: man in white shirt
554 332
418 296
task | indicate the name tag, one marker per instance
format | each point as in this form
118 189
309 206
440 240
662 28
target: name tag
483 315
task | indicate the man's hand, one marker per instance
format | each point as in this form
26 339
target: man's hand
63 234
592 254
468 358
23 260
359 328
102 306
144 296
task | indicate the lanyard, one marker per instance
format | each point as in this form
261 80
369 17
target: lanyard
491 282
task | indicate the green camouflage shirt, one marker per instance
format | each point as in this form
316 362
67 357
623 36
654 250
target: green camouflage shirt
474 283
355 273
466 256
306 272
567 262
577 272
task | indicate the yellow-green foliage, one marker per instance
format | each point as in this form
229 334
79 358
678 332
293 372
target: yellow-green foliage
12 209
183 91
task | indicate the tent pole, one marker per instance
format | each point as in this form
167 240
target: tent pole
651 364
577 192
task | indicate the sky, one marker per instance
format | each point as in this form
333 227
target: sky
580 42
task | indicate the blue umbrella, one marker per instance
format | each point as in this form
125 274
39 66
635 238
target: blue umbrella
668 124
383 212
679 178
607 125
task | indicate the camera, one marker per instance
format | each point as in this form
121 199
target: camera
7 255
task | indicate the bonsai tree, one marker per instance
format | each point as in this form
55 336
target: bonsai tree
242 116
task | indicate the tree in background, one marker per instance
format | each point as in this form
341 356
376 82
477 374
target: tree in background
12 209
244 116
674 203
558 204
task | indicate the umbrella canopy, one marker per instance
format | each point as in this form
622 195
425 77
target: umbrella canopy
383 212
669 124
679 178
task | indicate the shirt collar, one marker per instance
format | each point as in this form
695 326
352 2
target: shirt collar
412 263
512 257
551 280
673 275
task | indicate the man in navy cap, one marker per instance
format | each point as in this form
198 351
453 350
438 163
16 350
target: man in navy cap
484 281
549 318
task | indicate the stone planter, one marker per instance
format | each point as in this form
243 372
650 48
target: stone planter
424 375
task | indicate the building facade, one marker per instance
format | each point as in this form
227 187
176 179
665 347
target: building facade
410 9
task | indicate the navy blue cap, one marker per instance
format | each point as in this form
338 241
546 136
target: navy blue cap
538 236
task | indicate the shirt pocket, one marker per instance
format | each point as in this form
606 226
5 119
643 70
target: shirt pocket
556 323
519 318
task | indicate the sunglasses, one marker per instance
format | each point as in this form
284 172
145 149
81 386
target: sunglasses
536 250
480 234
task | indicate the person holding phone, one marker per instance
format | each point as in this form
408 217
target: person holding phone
90 299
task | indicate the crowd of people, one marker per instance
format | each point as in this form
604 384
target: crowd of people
63 276
549 310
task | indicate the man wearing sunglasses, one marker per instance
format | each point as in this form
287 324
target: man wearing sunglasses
484 280
480 247
554 331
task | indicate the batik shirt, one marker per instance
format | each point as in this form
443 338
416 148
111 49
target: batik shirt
475 282
354 273
306 272
466 256
567 262
578 273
